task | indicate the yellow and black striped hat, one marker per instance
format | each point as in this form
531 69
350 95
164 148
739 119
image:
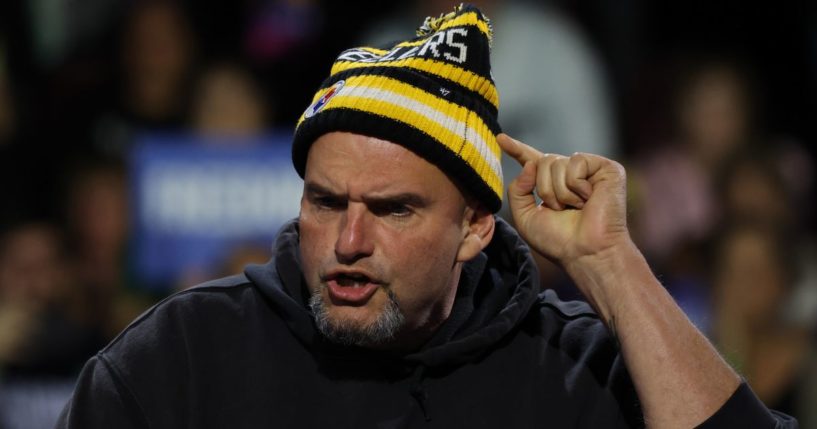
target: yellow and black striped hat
433 94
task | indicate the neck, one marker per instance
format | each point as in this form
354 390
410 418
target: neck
412 337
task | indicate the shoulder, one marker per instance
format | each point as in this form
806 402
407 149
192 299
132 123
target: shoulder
157 361
577 317
213 292
211 325
588 352
577 332
187 315
222 283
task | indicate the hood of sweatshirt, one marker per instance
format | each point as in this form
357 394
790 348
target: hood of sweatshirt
496 291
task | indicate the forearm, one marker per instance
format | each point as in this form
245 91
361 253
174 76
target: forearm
679 376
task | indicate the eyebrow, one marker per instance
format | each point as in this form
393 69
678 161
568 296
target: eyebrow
404 198
313 188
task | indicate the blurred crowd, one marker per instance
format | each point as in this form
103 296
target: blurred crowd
713 120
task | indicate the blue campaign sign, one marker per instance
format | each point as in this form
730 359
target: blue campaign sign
196 199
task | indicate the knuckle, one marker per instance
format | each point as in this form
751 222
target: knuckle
620 170
578 157
552 157
546 195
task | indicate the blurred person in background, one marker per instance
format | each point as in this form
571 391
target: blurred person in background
227 102
675 180
227 108
98 226
43 337
755 270
156 60
717 167
764 280
747 183
42 331
760 174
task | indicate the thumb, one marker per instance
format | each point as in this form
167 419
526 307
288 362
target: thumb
520 192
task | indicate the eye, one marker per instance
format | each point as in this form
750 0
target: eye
399 210
393 209
328 203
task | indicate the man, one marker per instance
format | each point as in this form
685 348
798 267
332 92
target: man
398 300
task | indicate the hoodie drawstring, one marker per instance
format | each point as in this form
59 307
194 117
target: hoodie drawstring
418 391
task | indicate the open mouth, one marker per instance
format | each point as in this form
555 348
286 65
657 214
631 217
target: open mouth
353 280
350 288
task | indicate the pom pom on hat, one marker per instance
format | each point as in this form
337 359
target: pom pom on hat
431 24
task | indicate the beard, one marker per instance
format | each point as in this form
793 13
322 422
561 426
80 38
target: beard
347 333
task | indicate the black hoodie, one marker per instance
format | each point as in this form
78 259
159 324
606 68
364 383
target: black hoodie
243 352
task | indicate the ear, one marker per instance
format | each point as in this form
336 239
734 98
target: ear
478 229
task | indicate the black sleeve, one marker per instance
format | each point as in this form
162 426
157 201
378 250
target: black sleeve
101 400
744 410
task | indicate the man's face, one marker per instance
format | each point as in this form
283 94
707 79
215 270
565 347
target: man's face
380 233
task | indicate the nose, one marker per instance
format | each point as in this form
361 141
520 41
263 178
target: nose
355 238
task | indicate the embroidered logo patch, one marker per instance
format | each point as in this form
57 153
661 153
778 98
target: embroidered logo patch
319 104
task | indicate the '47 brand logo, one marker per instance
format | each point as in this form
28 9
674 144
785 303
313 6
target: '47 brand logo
446 44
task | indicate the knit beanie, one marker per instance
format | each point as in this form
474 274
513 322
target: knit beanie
433 94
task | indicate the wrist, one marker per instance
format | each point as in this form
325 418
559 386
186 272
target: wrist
605 278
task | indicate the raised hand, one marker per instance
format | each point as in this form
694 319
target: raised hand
583 208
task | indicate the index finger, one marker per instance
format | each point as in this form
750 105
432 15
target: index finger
517 150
